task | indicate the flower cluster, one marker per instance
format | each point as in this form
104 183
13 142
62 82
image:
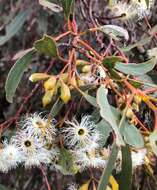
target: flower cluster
132 10
32 145
35 143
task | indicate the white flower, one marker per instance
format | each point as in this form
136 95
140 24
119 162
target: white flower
89 159
152 53
134 9
41 127
88 78
11 155
72 186
124 10
26 142
3 164
33 150
83 135
138 157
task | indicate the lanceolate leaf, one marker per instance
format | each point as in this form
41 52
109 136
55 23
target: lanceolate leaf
56 108
47 46
107 171
52 6
136 69
68 6
142 42
16 73
125 177
132 136
115 31
14 26
107 114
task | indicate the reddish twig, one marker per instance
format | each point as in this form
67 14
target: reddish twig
45 177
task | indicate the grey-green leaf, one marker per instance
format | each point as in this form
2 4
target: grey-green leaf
132 136
47 46
56 108
107 114
115 31
16 73
136 69
104 129
90 99
125 176
14 26
52 6
142 42
108 169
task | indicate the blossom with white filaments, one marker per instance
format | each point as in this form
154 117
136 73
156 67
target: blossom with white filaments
10 157
33 149
37 126
72 186
134 9
83 135
89 159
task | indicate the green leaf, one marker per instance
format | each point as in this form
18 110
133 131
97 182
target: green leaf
47 46
125 177
136 69
66 162
16 73
14 26
56 108
132 136
107 113
153 141
52 6
104 129
116 32
108 169
68 6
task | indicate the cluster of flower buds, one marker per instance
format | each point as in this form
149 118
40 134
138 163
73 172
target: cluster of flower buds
37 142
63 83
